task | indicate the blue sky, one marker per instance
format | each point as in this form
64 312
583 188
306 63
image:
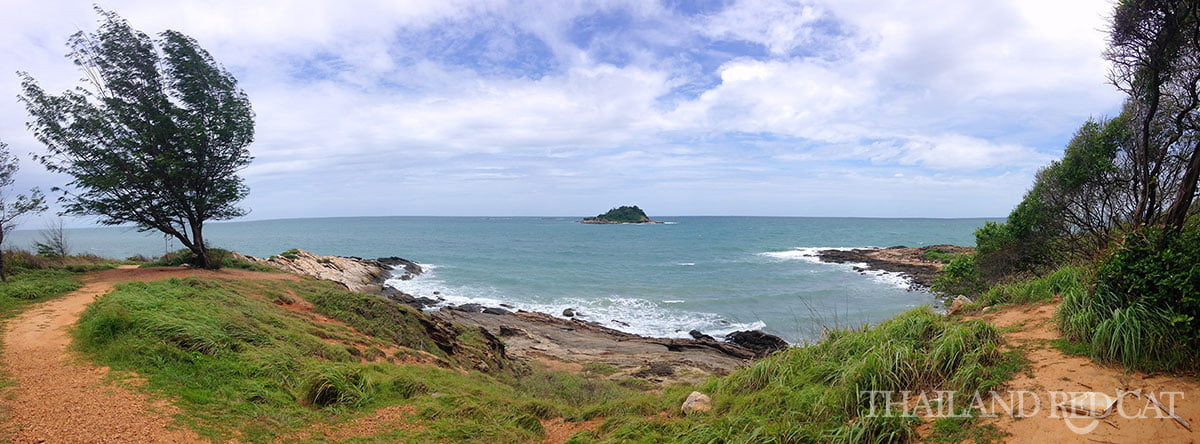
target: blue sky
732 107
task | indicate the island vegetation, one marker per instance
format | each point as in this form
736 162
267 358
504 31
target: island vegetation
621 215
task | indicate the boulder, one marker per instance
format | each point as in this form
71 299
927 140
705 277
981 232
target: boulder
697 335
418 303
570 312
760 343
696 403
470 308
410 267
960 301
496 311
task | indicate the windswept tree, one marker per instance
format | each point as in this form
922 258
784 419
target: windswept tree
155 136
1154 47
12 208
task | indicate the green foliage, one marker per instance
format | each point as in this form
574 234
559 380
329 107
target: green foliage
960 276
1142 311
245 367
963 427
812 393
1067 282
939 255
623 214
290 254
155 136
224 258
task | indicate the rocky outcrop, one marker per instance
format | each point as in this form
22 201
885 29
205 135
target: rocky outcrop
574 342
760 343
908 261
356 274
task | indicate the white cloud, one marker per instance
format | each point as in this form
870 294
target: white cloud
941 87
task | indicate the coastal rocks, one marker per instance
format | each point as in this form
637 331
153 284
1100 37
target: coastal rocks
960 301
658 369
696 402
356 274
913 263
697 335
496 311
570 313
418 303
756 340
469 308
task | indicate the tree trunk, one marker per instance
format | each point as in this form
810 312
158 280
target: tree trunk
3 266
199 248
1177 215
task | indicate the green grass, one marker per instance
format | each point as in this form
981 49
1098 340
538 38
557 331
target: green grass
241 365
1067 282
812 393
223 257
244 366
957 429
1112 330
939 255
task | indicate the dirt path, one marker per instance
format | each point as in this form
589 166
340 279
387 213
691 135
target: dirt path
58 399
1055 374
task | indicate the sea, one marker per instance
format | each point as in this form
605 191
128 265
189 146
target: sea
712 274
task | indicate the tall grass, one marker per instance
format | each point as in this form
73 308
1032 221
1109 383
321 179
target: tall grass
1067 282
815 393
1114 330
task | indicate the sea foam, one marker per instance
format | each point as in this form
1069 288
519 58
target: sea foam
812 255
628 314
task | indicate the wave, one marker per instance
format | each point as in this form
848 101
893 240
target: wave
631 315
812 255
806 254
686 264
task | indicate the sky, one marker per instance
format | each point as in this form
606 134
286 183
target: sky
939 108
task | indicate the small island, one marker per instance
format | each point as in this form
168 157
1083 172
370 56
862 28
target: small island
621 215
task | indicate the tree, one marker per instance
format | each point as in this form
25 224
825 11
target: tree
54 240
1154 47
155 136
12 208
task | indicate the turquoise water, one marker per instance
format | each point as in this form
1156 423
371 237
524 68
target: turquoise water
714 274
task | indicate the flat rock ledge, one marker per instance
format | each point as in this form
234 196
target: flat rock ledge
907 261
356 274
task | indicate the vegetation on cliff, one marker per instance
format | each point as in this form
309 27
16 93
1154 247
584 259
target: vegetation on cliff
1118 209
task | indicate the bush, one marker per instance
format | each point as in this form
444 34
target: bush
223 258
1143 307
960 276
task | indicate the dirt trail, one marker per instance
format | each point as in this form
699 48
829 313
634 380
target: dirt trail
1054 373
58 399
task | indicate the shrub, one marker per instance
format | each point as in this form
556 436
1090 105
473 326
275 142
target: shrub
1142 310
960 276
224 258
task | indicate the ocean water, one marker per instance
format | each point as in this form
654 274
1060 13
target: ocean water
713 274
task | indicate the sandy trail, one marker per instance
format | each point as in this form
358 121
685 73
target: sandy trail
58 399
1054 373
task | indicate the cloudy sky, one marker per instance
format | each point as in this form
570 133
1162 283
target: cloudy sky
737 107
